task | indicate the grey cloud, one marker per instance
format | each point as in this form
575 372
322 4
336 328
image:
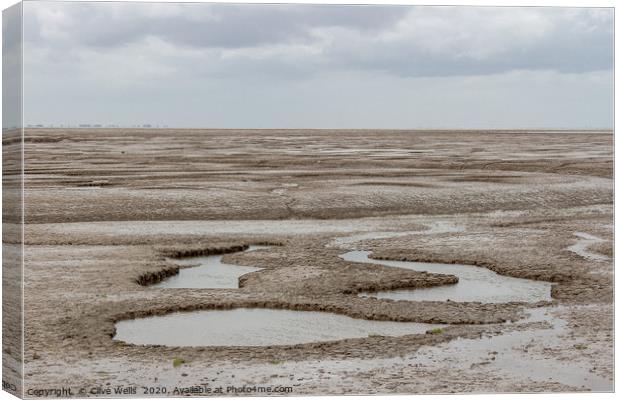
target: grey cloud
413 62
202 25
299 65
570 40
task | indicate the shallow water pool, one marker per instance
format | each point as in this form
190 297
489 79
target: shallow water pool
475 283
208 272
255 327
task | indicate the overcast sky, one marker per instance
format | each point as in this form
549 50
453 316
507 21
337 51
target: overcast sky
297 66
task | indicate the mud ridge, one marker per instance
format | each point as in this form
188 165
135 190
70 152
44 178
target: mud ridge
533 275
151 278
439 280
178 252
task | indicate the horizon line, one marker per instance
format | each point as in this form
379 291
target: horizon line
319 129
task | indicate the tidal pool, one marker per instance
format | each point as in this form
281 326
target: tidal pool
209 272
255 327
475 283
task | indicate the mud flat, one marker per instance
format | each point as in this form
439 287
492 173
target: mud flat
106 210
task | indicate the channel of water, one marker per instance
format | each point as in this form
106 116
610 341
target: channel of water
208 272
475 283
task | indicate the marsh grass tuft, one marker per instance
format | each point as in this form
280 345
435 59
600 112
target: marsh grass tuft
177 362
435 331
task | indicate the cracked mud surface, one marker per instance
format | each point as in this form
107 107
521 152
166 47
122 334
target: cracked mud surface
104 210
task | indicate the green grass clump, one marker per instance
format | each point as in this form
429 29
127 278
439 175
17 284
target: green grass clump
581 346
435 331
275 362
177 362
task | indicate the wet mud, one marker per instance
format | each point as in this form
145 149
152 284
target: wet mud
108 209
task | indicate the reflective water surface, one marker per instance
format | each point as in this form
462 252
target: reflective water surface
255 327
475 283
207 272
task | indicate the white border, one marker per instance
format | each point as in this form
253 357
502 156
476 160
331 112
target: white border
506 3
